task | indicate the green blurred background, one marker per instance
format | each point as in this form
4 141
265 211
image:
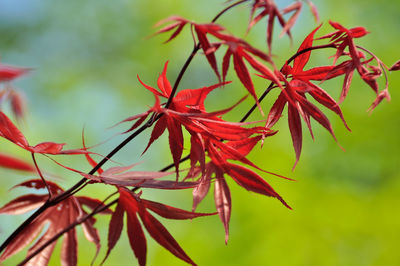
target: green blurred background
86 55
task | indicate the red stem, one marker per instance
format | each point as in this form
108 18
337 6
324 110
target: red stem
41 175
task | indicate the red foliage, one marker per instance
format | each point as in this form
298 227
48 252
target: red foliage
218 148
58 217
133 205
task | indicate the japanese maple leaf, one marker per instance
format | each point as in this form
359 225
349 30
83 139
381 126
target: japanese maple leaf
8 73
18 105
16 99
295 94
135 207
57 218
344 38
241 52
178 23
215 170
11 162
187 110
119 176
270 9
237 49
10 132
395 67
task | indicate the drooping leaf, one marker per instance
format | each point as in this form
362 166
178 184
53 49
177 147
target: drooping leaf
395 67
11 162
133 205
253 182
8 73
58 217
159 233
223 203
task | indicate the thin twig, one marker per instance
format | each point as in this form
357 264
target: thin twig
41 175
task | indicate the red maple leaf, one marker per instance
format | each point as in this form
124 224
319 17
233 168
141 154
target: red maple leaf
187 110
395 67
8 73
10 132
237 49
215 170
11 162
16 99
344 38
268 8
295 94
131 204
57 218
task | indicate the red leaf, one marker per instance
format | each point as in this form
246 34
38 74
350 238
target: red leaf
133 205
24 204
317 115
295 131
196 97
90 160
252 181
158 130
17 104
244 76
171 212
158 232
48 147
93 204
163 83
92 234
223 203
57 217
301 60
395 67
314 11
18 243
175 142
296 7
201 190
201 31
325 99
225 63
136 237
166 184
179 25
8 73
69 248
382 95
10 162
276 110
197 151
9 131
115 228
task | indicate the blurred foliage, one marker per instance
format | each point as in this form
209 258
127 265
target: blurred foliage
86 56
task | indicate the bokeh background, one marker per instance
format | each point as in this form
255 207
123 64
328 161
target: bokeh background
86 55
